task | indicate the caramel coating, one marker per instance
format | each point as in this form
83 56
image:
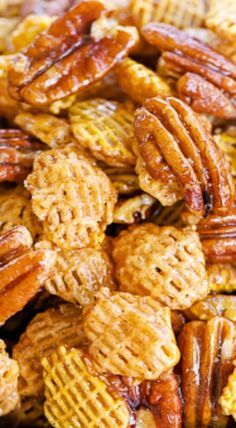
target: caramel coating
162 262
206 69
76 396
44 334
73 198
79 274
16 210
228 397
130 336
9 397
105 128
139 82
207 350
65 59
172 140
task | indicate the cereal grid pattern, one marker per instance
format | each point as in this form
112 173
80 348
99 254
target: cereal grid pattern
222 20
77 398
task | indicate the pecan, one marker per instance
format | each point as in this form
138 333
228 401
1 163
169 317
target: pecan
66 59
212 71
207 351
218 237
22 270
17 153
188 151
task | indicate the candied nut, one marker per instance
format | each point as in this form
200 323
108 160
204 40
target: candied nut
79 274
124 180
178 320
218 237
169 216
207 351
51 130
72 197
44 334
228 397
191 55
163 399
172 140
26 31
222 277
65 59
134 209
212 306
155 177
8 106
17 153
9 397
22 271
69 377
222 20
105 128
130 335
227 143
164 262
139 82
16 210
182 14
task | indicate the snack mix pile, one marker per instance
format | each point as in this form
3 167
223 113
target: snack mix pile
117 213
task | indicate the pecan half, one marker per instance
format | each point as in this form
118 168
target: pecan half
17 153
218 237
188 151
22 270
67 58
212 71
207 360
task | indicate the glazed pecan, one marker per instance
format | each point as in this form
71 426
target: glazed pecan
17 153
170 127
218 237
66 59
22 270
210 87
208 350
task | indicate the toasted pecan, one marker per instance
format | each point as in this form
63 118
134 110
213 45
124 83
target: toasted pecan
207 351
180 136
22 270
212 71
17 153
66 59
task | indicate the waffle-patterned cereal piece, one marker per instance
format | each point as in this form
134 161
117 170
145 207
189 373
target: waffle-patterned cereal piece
222 278
9 397
173 140
105 128
228 398
134 209
212 306
180 14
165 263
139 82
222 20
77 397
79 274
16 210
227 143
45 332
53 131
22 270
124 179
73 198
207 350
130 335
26 31
68 58
45 7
